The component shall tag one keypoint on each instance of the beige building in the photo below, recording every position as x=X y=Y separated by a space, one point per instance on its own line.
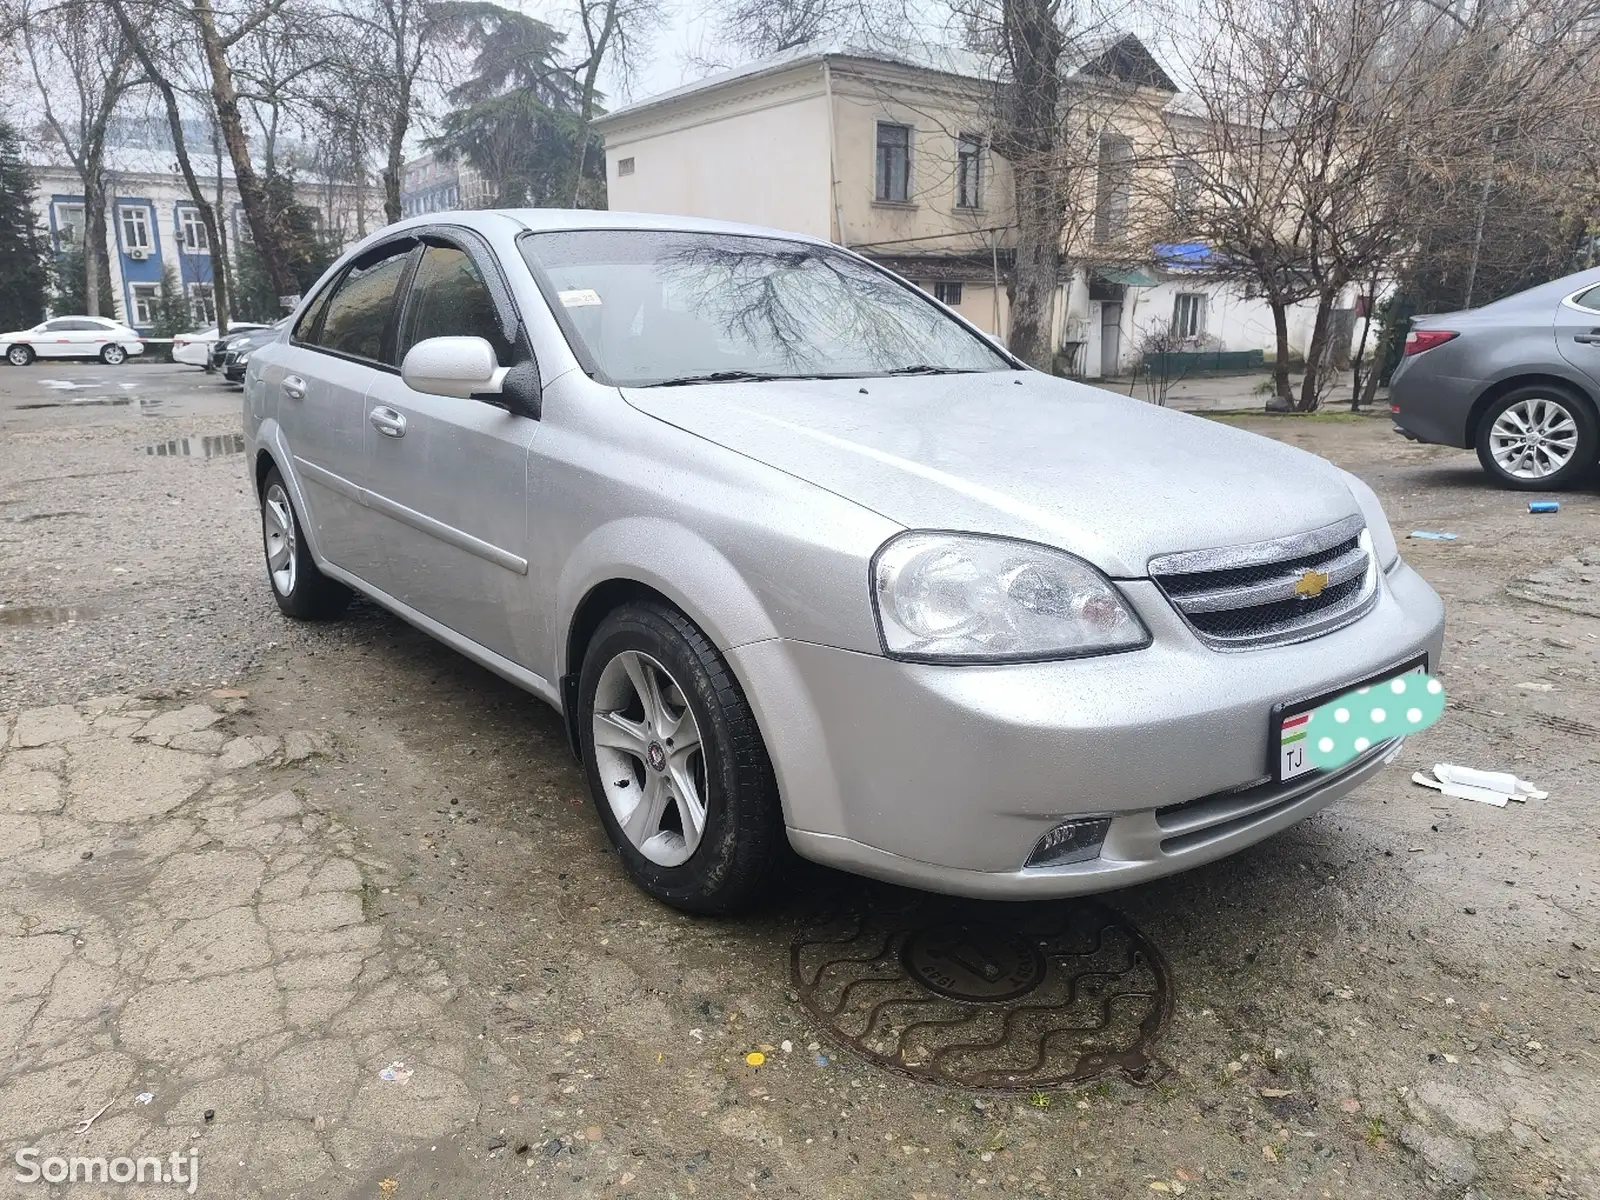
x=890 y=157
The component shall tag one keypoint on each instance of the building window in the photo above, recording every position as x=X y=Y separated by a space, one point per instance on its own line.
x=947 y=293
x=1185 y=190
x=202 y=304
x=135 y=229
x=1189 y=316
x=192 y=232
x=144 y=303
x=1113 y=186
x=625 y=166
x=69 y=224
x=969 y=172
x=894 y=163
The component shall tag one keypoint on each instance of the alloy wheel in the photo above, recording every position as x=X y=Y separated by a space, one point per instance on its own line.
x=18 y=356
x=1533 y=438
x=277 y=532
x=650 y=758
x=114 y=355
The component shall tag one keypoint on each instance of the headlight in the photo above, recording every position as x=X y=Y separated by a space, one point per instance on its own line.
x=1383 y=543
x=952 y=597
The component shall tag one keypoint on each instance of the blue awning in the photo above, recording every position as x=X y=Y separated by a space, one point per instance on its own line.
x=1185 y=256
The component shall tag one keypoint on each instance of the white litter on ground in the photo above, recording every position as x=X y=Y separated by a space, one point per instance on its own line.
x=1486 y=787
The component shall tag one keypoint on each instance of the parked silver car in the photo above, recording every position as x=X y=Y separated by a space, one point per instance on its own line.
x=1517 y=380
x=806 y=561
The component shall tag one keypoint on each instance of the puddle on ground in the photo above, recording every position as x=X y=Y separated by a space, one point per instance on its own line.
x=47 y=614
x=219 y=446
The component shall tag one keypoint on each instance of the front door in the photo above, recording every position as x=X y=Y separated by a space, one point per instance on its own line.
x=449 y=476
x=1110 y=338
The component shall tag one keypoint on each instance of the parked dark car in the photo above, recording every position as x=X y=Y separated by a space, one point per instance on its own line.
x=1517 y=380
x=233 y=355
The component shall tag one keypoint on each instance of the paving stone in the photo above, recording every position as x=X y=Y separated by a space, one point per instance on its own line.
x=19 y=834
x=198 y=884
x=177 y=1021
x=230 y=940
x=243 y=752
x=188 y=719
x=24 y=789
x=204 y=741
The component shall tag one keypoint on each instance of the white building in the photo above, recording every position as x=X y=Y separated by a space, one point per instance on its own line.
x=886 y=155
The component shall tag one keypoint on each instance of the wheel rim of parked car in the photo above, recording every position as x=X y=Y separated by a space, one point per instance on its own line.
x=1534 y=438
x=115 y=354
x=277 y=530
x=650 y=757
x=18 y=356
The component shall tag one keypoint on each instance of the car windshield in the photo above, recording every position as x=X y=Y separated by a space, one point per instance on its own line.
x=646 y=307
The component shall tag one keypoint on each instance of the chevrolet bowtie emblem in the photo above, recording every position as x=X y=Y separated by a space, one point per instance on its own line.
x=1309 y=586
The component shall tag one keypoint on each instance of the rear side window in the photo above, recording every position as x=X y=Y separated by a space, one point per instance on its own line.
x=1589 y=299
x=359 y=309
x=450 y=299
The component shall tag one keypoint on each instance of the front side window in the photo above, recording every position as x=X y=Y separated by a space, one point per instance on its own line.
x=135 y=229
x=894 y=163
x=450 y=299
x=359 y=310
x=969 y=172
x=1189 y=315
x=644 y=307
x=192 y=232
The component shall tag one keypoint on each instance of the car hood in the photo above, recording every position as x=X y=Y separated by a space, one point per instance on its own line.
x=1020 y=454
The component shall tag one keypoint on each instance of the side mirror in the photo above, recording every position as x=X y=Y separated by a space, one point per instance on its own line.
x=462 y=367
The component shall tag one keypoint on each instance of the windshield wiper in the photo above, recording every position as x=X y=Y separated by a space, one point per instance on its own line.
x=925 y=369
x=723 y=377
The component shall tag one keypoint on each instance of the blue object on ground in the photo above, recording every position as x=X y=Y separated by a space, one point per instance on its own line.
x=1429 y=536
x=1538 y=506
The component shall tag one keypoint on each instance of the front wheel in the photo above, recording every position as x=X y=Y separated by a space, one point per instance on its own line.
x=677 y=768
x=301 y=590
x=113 y=355
x=19 y=356
x=1537 y=438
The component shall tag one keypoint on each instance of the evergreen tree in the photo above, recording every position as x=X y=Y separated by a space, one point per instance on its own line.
x=308 y=251
x=24 y=273
x=66 y=294
x=171 y=315
x=516 y=119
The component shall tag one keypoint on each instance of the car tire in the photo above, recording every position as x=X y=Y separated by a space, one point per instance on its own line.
x=301 y=590
x=19 y=356
x=1538 y=428
x=113 y=355
x=741 y=850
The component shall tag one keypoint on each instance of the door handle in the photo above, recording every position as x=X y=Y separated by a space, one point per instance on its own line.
x=387 y=422
x=294 y=387
x=1591 y=338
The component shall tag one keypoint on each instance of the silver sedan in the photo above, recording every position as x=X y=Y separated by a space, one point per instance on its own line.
x=808 y=564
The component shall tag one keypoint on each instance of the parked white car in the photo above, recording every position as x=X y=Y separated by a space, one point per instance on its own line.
x=195 y=348
x=72 y=337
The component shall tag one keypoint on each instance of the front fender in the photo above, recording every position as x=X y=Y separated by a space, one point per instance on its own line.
x=673 y=560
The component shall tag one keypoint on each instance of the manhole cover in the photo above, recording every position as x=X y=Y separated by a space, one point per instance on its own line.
x=986 y=996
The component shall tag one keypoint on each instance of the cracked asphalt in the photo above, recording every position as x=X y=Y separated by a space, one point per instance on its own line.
x=251 y=869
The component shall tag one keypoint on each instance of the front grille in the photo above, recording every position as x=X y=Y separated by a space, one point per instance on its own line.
x=1235 y=597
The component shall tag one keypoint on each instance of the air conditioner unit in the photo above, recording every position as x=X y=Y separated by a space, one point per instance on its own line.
x=138 y=254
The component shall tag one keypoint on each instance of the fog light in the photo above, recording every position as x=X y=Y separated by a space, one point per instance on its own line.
x=1070 y=842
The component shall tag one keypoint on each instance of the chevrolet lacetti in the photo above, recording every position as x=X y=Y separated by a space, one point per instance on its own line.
x=808 y=564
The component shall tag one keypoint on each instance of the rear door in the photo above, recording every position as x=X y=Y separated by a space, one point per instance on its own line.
x=337 y=349
x=1577 y=328
x=449 y=476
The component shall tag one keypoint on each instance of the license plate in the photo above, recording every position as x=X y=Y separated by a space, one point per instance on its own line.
x=1291 y=723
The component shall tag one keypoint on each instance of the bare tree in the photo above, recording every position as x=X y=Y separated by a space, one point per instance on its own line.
x=81 y=75
x=611 y=31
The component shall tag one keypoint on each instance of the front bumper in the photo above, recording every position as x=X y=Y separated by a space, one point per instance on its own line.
x=946 y=777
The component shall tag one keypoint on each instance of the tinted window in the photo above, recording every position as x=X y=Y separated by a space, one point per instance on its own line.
x=359 y=311
x=1589 y=299
x=649 y=307
x=450 y=299
x=61 y=326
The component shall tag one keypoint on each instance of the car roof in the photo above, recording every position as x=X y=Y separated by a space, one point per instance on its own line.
x=548 y=220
